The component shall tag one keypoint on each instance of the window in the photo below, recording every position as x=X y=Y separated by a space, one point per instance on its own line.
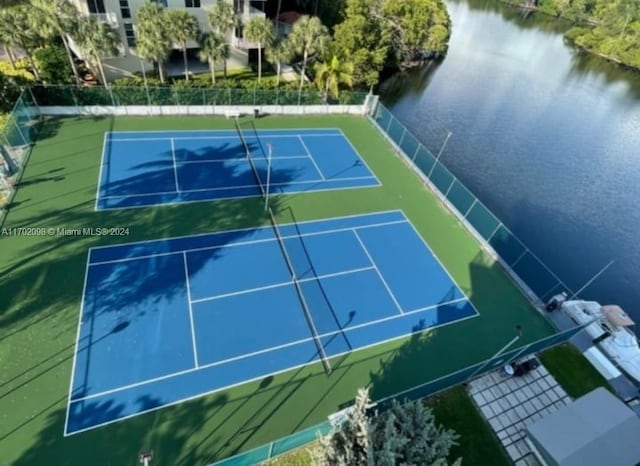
x=161 y=2
x=131 y=36
x=96 y=6
x=192 y=3
x=125 y=11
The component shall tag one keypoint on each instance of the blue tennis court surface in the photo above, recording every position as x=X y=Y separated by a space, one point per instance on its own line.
x=143 y=168
x=168 y=320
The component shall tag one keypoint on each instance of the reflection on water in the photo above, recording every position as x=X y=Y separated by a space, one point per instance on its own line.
x=545 y=135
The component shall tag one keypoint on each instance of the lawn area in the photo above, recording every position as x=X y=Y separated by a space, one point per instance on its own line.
x=573 y=371
x=41 y=283
x=455 y=410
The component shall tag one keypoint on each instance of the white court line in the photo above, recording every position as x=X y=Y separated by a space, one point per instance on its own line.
x=302 y=222
x=265 y=130
x=313 y=161
x=175 y=164
x=384 y=282
x=243 y=159
x=359 y=156
x=206 y=138
x=453 y=281
x=199 y=190
x=260 y=377
x=104 y=146
x=240 y=243
x=75 y=352
x=193 y=327
x=281 y=284
x=267 y=350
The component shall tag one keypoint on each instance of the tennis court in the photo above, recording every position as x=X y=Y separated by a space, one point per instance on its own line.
x=144 y=168
x=168 y=320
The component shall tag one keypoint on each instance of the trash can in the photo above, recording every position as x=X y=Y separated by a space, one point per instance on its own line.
x=256 y=113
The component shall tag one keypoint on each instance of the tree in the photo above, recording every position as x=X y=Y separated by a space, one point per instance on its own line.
x=213 y=48
x=412 y=23
x=15 y=31
x=182 y=27
x=332 y=72
x=363 y=38
x=260 y=31
x=97 y=39
x=309 y=36
x=153 y=41
x=222 y=18
x=52 y=62
x=406 y=434
x=56 y=18
x=281 y=51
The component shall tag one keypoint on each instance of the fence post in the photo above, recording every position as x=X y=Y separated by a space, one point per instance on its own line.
x=415 y=154
x=475 y=201
x=404 y=131
x=494 y=232
x=204 y=97
x=75 y=99
x=390 y=120
x=15 y=122
x=449 y=188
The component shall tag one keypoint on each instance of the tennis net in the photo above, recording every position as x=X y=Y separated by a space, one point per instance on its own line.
x=305 y=307
x=255 y=171
x=292 y=271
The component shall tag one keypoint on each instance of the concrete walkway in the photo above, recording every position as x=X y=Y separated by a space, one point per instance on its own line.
x=510 y=404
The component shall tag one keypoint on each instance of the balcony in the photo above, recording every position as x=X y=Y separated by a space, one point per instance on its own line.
x=110 y=18
x=241 y=43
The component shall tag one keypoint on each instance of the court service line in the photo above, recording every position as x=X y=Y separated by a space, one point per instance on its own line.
x=384 y=282
x=281 y=284
x=193 y=327
x=175 y=164
x=313 y=160
x=231 y=245
x=359 y=156
x=265 y=350
x=243 y=159
x=264 y=130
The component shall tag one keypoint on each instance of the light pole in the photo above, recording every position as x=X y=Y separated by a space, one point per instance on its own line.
x=449 y=133
x=518 y=330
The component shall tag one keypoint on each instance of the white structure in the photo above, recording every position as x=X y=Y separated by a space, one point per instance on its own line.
x=122 y=15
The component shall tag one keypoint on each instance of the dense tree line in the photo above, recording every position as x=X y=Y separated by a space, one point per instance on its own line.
x=610 y=28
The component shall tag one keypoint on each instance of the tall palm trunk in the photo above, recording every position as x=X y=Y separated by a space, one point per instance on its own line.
x=212 y=67
x=225 y=68
x=74 y=68
x=326 y=91
x=259 y=61
x=161 y=72
x=32 y=64
x=304 y=68
x=278 y=71
x=8 y=53
x=184 y=58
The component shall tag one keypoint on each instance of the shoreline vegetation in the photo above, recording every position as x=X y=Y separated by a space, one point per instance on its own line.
x=609 y=29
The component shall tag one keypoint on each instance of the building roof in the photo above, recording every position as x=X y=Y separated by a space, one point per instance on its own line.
x=289 y=17
x=597 y=429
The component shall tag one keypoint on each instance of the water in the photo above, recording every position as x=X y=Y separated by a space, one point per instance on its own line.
x=547 y=137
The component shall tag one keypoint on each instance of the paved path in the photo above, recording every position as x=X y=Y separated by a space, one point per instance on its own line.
x=511 y=403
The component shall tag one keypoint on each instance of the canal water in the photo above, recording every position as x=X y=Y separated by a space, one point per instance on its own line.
x=547 y=137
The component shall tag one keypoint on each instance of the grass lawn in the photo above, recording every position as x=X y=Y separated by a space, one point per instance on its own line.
x=573 y=371
x=478 y=445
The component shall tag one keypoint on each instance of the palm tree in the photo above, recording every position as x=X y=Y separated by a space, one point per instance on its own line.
x=222 y=18
x=97 y=39
x=213 y=47
x=260 y=31
x=333 y=72
x=183 y=26
x=278 y=16
x=281 y=51
x=53 y=18
x=153 y=42
x=309 y=36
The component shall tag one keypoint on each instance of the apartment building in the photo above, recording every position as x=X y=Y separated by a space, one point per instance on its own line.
x=122 y=15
